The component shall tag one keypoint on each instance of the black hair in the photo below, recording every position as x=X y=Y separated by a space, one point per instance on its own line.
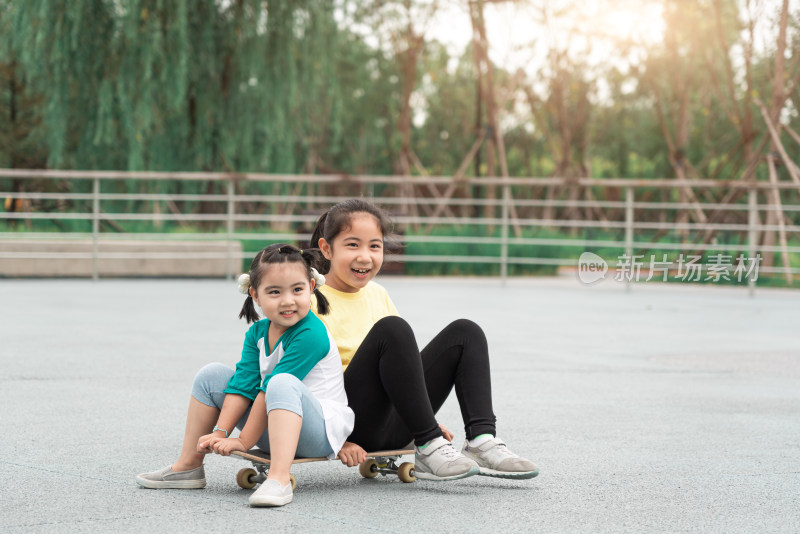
x=337 y=219
x=282 y=253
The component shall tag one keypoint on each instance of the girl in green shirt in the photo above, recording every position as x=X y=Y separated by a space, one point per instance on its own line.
x=287 y=392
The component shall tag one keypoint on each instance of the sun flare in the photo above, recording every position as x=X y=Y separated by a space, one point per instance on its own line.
x=643 y=24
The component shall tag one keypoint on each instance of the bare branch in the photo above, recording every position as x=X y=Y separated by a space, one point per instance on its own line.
x=726 y=62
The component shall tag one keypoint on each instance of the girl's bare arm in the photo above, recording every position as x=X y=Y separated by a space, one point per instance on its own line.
x=233 y=408
x=252 y=431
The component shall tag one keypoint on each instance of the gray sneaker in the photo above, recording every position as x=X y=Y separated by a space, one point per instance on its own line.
x=270 y=493
x=439 y=460
x=168 y=479
x=495 y=460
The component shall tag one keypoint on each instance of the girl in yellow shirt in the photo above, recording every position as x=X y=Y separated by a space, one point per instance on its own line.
x=394 y=388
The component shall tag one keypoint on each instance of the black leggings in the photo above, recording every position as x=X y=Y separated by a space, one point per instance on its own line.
x=395 y=390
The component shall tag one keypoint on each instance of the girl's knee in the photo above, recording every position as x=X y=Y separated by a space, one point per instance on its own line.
x=213 y=373
x=466 y=329
x=285 y=392
x=281 y=386
x=394 y=326
x=210 y=381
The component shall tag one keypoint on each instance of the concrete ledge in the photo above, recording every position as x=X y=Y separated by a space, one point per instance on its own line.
x=117 y=258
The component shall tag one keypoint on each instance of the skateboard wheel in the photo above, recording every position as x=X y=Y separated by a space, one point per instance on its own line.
x=245 y=478
x=368 y=469
x=406 y=472
x=293 y=480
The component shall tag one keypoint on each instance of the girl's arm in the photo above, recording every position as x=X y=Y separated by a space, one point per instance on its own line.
x=256 y=423
x=253 y=429
x=247 y=378
x=233 y=408
x=241 y=390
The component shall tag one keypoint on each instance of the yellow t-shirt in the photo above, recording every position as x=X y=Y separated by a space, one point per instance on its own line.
x=352 y=315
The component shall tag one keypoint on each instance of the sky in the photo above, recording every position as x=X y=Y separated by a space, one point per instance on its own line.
x=518 y=40
x=522 y=32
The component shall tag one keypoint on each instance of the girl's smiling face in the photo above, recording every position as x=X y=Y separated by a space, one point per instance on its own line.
x=284 y=295
x=356 y=254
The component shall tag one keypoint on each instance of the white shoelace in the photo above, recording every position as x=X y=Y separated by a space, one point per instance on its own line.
x=501 y=450
x=449 y=451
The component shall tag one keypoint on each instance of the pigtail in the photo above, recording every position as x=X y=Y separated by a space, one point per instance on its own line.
x=314 y=260
x=245 y=282
x=323 y=306
x=322 y=265
x=249 y=311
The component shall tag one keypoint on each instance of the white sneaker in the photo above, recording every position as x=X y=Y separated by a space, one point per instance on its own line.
x=495 y=460
x=270 y=493
x=439 y=460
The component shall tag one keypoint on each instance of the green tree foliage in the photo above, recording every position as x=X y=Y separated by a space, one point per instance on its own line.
x=290 y=86
x=20 y=110
x=179 y=85
x=367 y=85
x=449 y=128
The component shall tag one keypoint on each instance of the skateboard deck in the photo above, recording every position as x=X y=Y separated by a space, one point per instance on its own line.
x=377 y=463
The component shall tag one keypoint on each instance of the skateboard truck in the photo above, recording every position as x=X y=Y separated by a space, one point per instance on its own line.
x=386 y=465
x=383 y=463
x=248 y=478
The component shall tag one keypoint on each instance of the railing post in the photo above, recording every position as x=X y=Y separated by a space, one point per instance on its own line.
x=504 y=233
x=629 y=233
x=95 y=228
x=752 y=233
x=231 y=210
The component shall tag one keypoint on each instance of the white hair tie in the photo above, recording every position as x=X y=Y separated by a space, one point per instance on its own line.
x=244 y=284
x=319 y=280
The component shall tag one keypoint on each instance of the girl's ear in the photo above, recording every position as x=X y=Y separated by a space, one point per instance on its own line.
x=313 y=284
x=254 y=294
x=325 y=248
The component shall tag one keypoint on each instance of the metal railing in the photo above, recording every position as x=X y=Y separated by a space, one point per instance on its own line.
x=525 y=214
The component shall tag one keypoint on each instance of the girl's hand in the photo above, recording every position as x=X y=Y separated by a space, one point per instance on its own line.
x=446 y=433
x=351 y=454
x=202 y=443
x=225 y=446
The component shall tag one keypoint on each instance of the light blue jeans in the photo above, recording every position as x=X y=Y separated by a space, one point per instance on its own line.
x=284 y=392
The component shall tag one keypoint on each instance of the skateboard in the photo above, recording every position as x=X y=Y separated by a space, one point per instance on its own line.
x=381 y=462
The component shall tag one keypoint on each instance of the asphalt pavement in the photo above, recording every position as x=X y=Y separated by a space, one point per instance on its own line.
x=666 y=408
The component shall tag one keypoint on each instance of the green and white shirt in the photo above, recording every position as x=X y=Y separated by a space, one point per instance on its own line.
x=307 y=351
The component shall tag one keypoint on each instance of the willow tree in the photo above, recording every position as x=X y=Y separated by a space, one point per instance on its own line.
x=19 y=113
x=201 y=85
